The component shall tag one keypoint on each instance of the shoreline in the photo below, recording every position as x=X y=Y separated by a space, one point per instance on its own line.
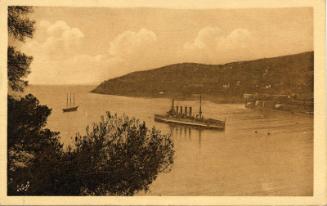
x=208 y=97
x=213 y=99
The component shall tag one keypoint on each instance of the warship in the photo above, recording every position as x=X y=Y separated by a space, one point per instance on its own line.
x=178 y=115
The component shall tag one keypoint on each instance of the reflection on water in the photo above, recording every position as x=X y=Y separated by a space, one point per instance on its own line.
x=242 y=160
x=188 y=132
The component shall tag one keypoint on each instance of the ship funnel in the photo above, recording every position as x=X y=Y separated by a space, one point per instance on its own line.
x=185 y=111
x=181 y=109
x=172 y=105
x=190 y=111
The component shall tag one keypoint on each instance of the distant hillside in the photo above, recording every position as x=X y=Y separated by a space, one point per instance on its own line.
x=292 y=74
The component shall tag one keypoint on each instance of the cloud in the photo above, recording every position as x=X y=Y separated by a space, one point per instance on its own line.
x=129 y=43
x=131 y=50
x=58 y=58
x=237 y=39
x=56 y=40
x=206 y=37
x=61 y=29
x=213 y=45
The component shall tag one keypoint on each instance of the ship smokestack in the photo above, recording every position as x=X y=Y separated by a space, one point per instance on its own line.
x=185 y=111
x=181 y=109
x=172 y=105
x=176 y=110
x=190 y=111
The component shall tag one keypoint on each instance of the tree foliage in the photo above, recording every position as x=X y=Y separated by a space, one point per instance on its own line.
x=19 y=24
x=20 y=27
x=18 y=68
x=33 y=150
x=119 y=156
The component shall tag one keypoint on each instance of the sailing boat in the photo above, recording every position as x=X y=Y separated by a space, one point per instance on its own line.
x=70 y=107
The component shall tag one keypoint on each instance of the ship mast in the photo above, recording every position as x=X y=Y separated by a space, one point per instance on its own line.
x=73 y=99
x=67 y=100
x=200 y=110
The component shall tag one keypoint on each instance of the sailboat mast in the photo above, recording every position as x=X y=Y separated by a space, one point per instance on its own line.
x=70 y=99
x=67 y=100
x=73 y=99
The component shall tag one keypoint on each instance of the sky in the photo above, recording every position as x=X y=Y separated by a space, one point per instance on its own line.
x=76 y=45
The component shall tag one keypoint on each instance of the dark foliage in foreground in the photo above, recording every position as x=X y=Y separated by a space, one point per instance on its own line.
x=33 y=150
x=118 y=156
x=18 y=67
x=19 y=25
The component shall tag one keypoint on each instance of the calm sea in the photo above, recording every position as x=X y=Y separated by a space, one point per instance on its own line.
x=259 y=153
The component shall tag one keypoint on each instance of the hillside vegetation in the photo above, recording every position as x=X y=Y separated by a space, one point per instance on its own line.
x=292 y=75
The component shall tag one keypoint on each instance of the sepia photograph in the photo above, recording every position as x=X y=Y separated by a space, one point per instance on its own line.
x=160 y=101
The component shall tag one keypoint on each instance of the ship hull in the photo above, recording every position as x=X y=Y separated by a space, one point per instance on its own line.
x=70 y=109
x=218 y=125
